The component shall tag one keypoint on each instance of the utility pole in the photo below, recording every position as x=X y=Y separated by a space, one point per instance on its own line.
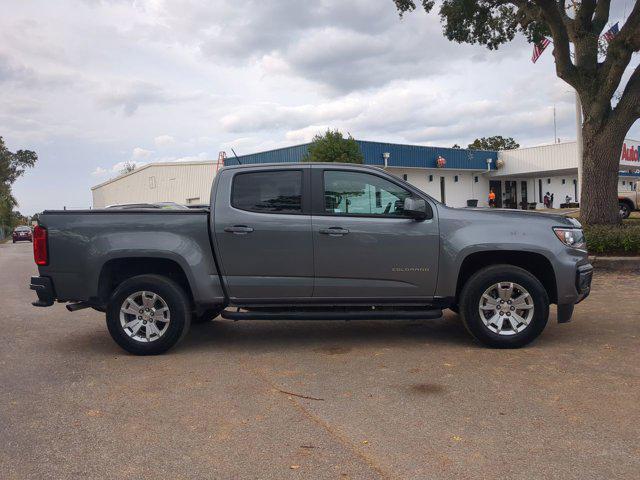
x=579 y=143
x=555 y=125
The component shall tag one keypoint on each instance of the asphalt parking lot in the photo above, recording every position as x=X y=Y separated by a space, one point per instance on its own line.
x=392 y=399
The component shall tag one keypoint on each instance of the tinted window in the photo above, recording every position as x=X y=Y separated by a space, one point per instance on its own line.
x=274 y=191
x=354 y=193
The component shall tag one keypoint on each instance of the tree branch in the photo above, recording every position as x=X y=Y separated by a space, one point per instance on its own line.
x=619 y=54
x=565 y=68
x=601 y=16
x=628 y=109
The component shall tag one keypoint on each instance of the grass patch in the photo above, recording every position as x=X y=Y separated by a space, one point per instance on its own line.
x=608 y=240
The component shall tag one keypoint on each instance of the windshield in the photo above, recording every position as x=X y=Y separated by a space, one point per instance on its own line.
x=23 y=229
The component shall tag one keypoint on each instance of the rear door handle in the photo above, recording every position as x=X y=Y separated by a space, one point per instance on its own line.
x=239 y=229
x=334 y=231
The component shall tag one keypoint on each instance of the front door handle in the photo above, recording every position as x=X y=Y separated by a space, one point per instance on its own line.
x=239 y=229
x=334 y=231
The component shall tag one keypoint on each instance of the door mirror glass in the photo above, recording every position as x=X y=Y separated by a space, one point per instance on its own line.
x=415 y=208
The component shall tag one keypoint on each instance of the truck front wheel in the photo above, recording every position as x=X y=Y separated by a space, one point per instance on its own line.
x=504 y=306
x=148 y=314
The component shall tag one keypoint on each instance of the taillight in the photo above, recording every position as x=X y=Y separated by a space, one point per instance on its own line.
x=40 y=253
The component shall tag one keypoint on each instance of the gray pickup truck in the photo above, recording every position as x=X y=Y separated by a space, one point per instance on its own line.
x=311 y=241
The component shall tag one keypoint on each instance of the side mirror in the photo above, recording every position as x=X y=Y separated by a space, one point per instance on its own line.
x=415 y=208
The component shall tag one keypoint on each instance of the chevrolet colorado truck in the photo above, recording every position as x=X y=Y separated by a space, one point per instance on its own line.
x=629 y=201
x=311 y=241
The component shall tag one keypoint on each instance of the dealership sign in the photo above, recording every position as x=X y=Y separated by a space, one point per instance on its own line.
x=629 y=156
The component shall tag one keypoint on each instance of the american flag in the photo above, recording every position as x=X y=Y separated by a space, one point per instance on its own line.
x=538 y=48
x=611 y=33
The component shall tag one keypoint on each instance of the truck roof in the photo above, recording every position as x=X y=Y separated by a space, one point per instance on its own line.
x=302 y=164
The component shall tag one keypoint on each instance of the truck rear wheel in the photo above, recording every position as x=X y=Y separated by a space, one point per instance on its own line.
x=148 y=314
x=504 y=306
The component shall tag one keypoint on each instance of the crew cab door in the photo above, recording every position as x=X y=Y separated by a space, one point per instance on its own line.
x=262 y=227
x=365 y=246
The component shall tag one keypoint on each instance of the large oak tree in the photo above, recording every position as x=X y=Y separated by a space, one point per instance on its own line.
x=596 y=73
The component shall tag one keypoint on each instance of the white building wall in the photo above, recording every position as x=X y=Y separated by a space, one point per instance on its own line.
x=456 y=193
x=626 y=184
x=560 y=156
x=180 y=182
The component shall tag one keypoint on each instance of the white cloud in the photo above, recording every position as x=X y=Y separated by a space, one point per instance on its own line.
x=100 y=172
x=140 y=153
x=164 y=141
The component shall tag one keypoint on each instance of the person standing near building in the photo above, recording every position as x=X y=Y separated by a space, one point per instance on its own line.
x=545 y=200
x=492 y=198
x=551 y=201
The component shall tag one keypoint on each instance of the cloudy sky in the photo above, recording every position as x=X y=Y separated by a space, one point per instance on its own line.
x=92 y=84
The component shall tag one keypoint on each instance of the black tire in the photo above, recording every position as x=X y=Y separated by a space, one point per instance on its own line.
x=475 y=287
x=625 y=210
x=207 y=315
x=176 y=300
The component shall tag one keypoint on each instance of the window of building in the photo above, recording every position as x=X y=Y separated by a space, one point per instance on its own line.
x=624 y=183
x=268 y=192
x=354 y=193
x=475 y=179
x=455 y=179
x=405 y=177
x=564 y=181
x=548 y=181
x=431 y=178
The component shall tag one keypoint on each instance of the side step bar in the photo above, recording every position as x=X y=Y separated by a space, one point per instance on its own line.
x=334 y=315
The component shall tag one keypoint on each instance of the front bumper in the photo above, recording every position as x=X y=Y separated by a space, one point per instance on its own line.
x=584 y=275
x=43 y=287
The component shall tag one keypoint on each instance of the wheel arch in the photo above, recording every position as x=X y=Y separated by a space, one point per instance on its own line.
x=535 y=263
x=116 y=270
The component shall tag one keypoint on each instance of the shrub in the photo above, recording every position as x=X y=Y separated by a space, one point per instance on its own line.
x=624 y=239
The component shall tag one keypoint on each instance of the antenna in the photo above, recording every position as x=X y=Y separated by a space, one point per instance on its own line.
x=236 y=155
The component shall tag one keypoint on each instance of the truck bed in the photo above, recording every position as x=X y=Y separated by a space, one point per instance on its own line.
x=83 y=243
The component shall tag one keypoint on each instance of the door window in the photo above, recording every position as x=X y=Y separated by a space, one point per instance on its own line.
x=268 y=192
x=355 y=193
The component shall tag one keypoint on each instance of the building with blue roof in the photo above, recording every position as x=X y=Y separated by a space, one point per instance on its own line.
x=455 y=176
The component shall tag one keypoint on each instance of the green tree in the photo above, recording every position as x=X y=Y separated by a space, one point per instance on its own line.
x=128 y=167
x=497 y=142
x=609 y=110
x=333 y=147
x=12 y=167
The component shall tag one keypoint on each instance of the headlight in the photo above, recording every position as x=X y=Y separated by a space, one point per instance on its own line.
x=571 y=237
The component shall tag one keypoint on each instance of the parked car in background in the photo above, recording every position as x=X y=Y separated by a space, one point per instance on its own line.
x=629 y=201
x=311 y=242
x=22 y=234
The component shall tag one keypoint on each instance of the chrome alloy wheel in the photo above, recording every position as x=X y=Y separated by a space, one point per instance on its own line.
x=144 y=316
x=506 y=308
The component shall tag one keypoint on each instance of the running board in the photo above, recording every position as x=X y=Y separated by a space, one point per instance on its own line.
x=334 y=315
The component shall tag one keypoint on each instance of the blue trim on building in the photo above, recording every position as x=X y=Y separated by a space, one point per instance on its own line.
x=412 y=156
x=629 y=174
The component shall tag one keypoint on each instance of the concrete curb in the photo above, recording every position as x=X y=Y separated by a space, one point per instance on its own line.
x=614 y=263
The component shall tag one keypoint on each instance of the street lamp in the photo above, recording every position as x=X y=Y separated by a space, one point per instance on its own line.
x=386 y=156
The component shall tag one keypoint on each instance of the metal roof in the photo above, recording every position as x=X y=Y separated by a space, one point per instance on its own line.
x=400 y=155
